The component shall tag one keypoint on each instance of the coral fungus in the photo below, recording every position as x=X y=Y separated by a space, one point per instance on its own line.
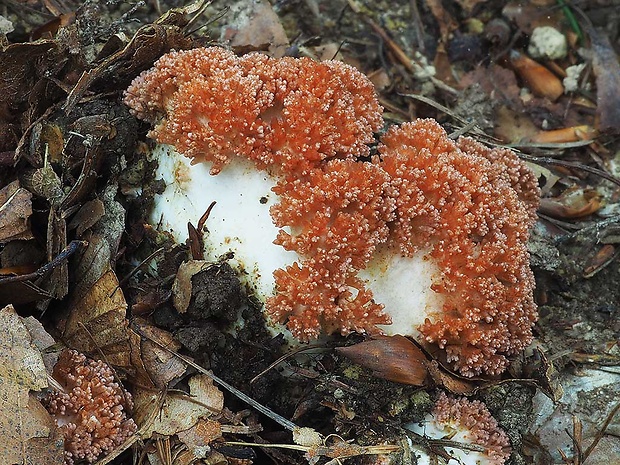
x=430 y=233
x=91 y=412
x=462 y=211
x=290 y=113
x=468 y=422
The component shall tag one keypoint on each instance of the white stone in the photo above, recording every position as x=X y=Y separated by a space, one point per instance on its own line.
x=547 y=42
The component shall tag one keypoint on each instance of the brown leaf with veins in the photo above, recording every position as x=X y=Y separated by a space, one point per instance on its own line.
x=179 y=411
x=155 y=366
x=28 y=432
x=97 y=321
x=15 y=211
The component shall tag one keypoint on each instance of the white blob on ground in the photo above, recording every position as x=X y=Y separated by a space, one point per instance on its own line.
x=547 y=43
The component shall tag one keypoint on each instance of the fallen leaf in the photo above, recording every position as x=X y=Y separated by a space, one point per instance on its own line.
x=179 y=411
x=154 y=364
x=182 y=287
x=512 y=126
x=15 y=211
x=97 y=322
x=254 y=23
x=57 y=282
x=28 y=432
x=87 y=216
x=536 y=77
x=572 y=203
x=394 y=358
x=450 y=381
x=570 y=134
x=203 y=433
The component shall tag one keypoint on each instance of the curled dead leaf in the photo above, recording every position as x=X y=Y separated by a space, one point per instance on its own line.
x=182 y=287
x=571 y=134
x=573 y=203
x=600 y=260
x=154 y=365
x=178 y=411
x=97 y=322
x=394 y=358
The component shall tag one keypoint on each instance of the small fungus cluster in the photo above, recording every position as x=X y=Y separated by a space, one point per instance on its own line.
x=467 y=422
x=428 y=233
x=92 y=410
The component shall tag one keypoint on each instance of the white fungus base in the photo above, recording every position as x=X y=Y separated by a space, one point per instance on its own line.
x=239 y=224
x=403 y=285
x=241 y=229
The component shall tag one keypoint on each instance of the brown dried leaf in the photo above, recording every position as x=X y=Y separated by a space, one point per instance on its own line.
x=87 y=216
x=394 y=358
x=603 y=257
x=255 y=24
x=28 y=432
x=450 y=381
x=15 y=211
x=95 y=261
x=97 y=322
x=154 y=365
x=182 y=287
x=572 y=203
x=57 y=282
x=179 y=412
x=45 y=183
x=513 y=126
x=571 y=134
x=201 y=434
x=536 y=77
x=88 y=176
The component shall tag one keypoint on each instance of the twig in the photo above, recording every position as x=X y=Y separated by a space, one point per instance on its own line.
x=570 y=164
x=282 y=359
x=73 y=247
x=140 y=265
